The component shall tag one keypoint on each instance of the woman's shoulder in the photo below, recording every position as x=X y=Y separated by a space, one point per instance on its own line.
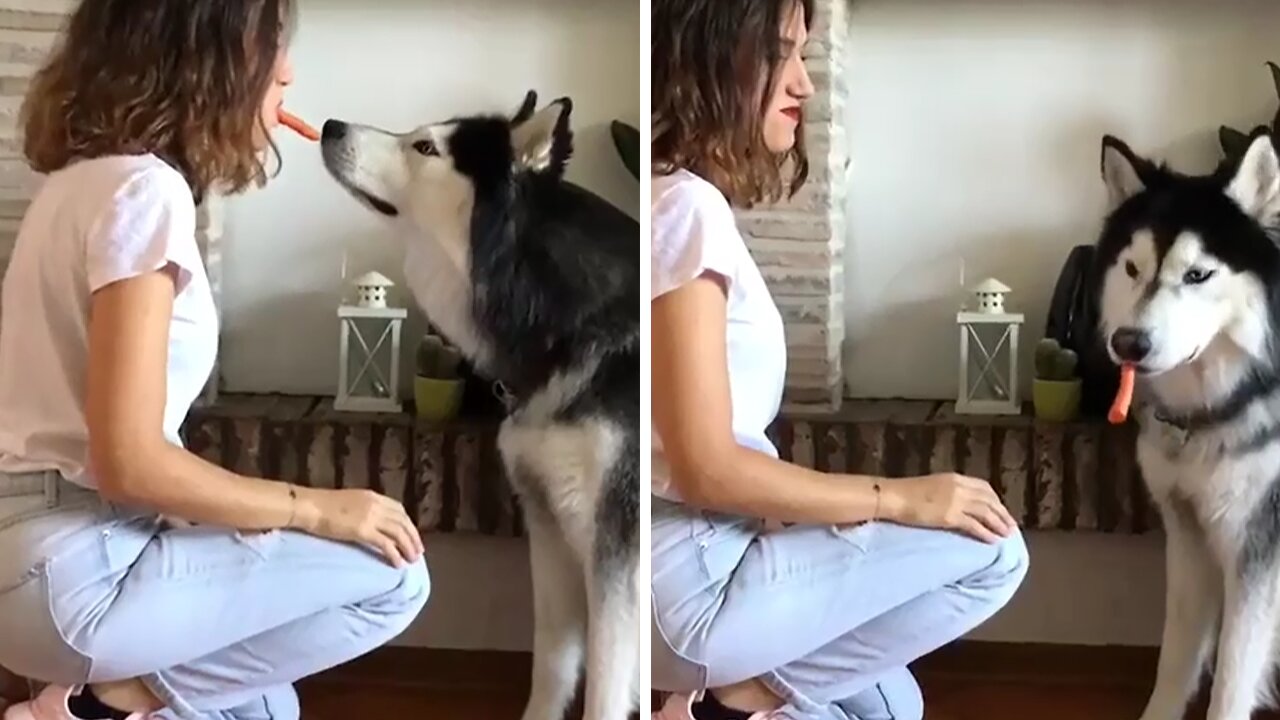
x=126 y=175
x=692 y=230
x=681 y=192
x=687 y=208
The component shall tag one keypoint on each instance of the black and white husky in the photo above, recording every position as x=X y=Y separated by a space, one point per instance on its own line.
x=537 y=281
x=1190 y=294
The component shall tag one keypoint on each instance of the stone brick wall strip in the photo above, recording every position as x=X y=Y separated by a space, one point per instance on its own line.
x=25 y=49
x=1067 y=486
x=489 y=511
x=1084 y=478
x=978 y=452
x=29 y=30
x=1014 y=468
x=872 y=436
x=451 y=478
x=203 y=437
x=800 y=242
x=1046 y=476
x=25 y=19
x=1076 y=477
x=449 y=489
x=395 y=467
x=428 y=453
x=320 y=468
x=467 y=457
x=802 y=443
x=352 y=455
x=835 y=442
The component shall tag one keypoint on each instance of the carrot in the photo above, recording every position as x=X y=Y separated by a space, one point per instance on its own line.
x=295 y=123
x=1124 y=395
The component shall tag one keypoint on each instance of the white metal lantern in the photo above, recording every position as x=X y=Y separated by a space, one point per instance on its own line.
x=374 y=385
x=989 y=374
x=371 y=290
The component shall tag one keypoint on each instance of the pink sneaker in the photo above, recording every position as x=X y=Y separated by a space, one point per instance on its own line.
x=50 y=704
x=680 y=707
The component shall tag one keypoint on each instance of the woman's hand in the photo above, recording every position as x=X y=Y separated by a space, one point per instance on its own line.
x=360 y=516
x=948 y=501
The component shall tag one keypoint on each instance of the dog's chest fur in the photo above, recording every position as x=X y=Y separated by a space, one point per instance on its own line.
x=439 y=284
x=558 y=465
x=1206 y=468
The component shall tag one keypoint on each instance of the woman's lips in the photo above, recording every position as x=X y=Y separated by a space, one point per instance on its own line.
x=792 y=112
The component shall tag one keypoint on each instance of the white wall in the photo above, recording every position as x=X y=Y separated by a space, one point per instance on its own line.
x=398 y=64
x=1086 y=589
x=975 y=130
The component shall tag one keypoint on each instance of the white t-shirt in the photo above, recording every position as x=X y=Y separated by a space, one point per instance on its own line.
x=693 y=231
x=91 y=224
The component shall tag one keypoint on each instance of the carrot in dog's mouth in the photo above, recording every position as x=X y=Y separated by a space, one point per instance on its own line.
x=1124 y=395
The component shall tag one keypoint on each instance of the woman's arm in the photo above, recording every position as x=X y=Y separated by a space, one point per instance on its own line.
x=134 y=463
x=692 y=413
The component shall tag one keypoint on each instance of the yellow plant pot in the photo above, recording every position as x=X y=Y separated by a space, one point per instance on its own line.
x=437 y=400
x=1056 y=400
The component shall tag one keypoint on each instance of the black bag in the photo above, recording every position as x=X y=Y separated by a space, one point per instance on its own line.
x=1073 y=322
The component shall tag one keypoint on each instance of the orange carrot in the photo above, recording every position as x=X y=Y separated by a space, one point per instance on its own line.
x=1124 y=395
x=295 y=123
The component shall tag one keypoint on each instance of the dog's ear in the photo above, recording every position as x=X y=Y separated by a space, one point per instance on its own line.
x=1123 y=171
x=1256 y=184
x=526 y=108
x=543 y=140
x=1234 y=143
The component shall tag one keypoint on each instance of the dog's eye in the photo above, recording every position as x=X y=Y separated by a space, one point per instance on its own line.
x=426 y=147
x=1130 y=269
x=1195 y=276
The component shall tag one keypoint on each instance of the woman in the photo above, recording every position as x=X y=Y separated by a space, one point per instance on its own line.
x=820 y=619
x=109 y=334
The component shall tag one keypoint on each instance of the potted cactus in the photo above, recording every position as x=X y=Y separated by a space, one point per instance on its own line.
x=1055 y=391
x=437 y=384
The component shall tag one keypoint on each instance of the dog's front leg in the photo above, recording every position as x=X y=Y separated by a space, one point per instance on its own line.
x=1249 y=617
x=613 y=639
x=559 y=618
x=1193 y=601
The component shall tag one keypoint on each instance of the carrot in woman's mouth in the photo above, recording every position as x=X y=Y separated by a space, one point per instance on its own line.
x=295 y=123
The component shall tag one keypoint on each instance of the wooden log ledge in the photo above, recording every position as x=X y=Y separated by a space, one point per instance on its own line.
x=1080 y=476
x=449 y=476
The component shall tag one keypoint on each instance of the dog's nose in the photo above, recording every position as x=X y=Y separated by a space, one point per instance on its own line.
x=333 y=130
x=1131 y=344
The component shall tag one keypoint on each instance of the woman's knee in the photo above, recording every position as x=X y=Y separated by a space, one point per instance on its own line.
x=414 y=588
x=404 y=600
x=1005 y=573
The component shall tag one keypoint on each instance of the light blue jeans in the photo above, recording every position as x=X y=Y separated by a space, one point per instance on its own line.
x=827 y=618
x=217 y=623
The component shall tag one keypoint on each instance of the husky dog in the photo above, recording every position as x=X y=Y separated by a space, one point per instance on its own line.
x=1190 y=296
x=537 y=281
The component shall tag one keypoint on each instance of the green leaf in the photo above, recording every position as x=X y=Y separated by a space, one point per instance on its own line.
x=626 y=139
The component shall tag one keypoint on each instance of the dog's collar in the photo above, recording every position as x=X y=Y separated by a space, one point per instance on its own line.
x=503 y=392
x=1257 y=383
x=1163 y=416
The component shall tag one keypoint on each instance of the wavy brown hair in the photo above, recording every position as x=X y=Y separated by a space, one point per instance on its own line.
x=715 y=65
x=182 y=79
